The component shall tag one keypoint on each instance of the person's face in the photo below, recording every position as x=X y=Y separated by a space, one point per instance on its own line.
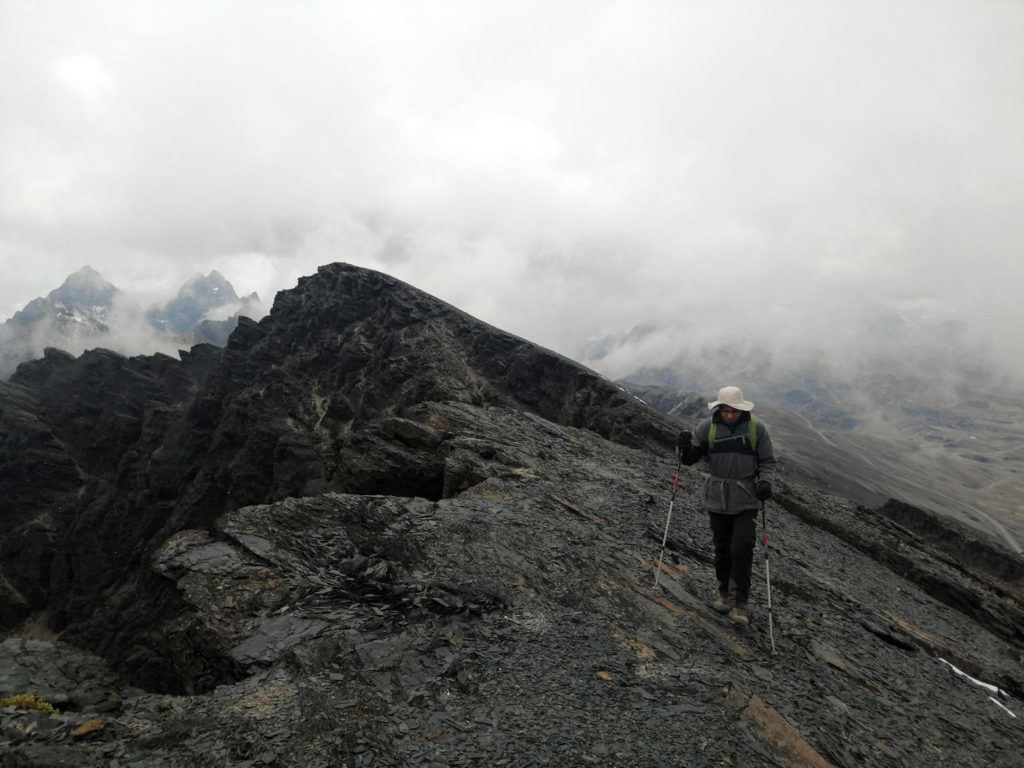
x=729 y=415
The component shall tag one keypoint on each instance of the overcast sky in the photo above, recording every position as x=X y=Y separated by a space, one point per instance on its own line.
x=564 y=170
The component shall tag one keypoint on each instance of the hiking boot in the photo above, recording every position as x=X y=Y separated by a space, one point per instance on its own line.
x=738 y=615
x=722 y=604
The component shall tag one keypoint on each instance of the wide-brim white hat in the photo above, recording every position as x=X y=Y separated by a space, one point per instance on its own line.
x=733 y=397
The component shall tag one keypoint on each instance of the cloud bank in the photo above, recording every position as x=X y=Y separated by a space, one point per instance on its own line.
x=779 y=171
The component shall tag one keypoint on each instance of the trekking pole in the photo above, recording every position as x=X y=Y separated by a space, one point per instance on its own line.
x=767 y=573
x=664 y=539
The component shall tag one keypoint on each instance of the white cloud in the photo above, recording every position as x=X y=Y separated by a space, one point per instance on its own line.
x=86 y=77
x=562 y=170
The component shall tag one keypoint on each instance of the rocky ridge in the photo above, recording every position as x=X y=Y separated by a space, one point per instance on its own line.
x=373 y=530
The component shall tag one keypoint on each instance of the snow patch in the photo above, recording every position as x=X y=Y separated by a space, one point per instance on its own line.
x=987 y=686
x=999 y=704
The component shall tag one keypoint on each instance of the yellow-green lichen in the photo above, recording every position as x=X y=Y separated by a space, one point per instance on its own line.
x=27 y=701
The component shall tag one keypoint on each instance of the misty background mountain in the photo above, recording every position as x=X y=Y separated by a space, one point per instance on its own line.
x=86 y=312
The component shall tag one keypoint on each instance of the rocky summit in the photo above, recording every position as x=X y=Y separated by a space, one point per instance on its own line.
x=375 y=531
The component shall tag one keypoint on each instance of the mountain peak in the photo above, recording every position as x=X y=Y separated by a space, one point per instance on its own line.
x=87 y=311
x=80 y=306
x=194 y=301
x=85 y=273
x=86 y=287
x=213 y=280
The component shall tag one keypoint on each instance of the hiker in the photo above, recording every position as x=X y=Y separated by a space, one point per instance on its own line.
x=739 y=453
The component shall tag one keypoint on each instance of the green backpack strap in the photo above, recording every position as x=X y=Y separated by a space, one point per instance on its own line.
x=751 y=433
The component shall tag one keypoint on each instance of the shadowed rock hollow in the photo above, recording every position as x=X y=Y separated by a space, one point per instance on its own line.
x=376 y=531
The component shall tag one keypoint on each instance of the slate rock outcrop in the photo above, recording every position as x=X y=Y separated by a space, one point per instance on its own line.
x=111 y=455
x=374 y=531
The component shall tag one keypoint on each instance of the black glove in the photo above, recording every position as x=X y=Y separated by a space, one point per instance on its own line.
x=684 y=444
x=763 y=490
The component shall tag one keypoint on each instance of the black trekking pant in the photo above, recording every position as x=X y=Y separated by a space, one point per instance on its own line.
x=734 y=551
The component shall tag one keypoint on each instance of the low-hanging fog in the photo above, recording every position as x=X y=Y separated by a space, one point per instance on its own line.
x=618 y=181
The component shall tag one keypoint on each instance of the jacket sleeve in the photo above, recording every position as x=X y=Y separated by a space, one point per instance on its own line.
x=766 y=468
x=698 y=445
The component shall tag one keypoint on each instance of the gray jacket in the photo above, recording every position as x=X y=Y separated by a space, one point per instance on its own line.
x=733 y=464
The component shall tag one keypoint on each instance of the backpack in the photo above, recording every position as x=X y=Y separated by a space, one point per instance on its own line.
x=751 y=434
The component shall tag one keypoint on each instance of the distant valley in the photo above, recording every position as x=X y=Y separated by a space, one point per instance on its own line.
x=963 y=457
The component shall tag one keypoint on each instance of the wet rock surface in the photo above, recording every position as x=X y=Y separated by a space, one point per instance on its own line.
x=269 y=598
